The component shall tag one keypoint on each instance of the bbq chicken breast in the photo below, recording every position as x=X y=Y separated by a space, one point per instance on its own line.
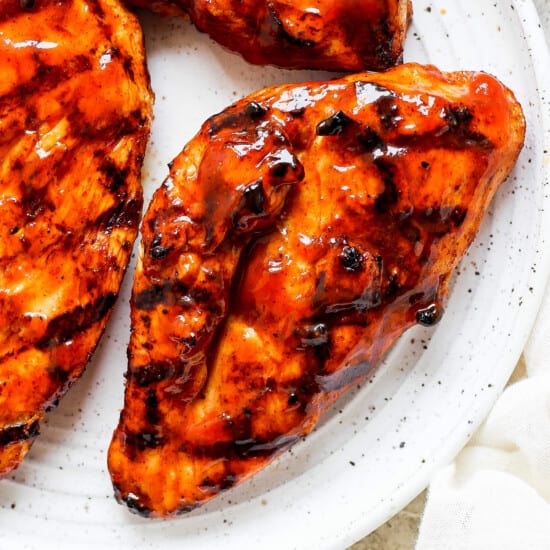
x=296 y=237
x=342 y=35
x=75 y=107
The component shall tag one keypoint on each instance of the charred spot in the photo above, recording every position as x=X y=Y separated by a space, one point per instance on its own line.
x=393 y=285
x=209 y=486
x=156 y=250
x=185 y=509
x=144 y=440
x=303 y=390
x=58 y=375
x=285 y=167
x=293 y=399
x=390 y=195
x=242 y=447
x=35 y=201
x=123 y=214
x=458 y=215
x=225 y=121
x=201 y=295
x=189 y=341
x=151 y=297
x=334 y=125
x=351 y=259
x=52 y=405
x=128 y=68
x=14 y=230
x=384 y=45
x=152 y=413
x=159 y=252
x=154 y=295
x=115 y=176
x=280 y=170
x=425 y=164
x=388 y=111
x=228 y=481
x=370 y=139
x=64 y=327
x=458 y=116
x=254 y=110
x=254 y=197
x=429 y=316
x=18 y=433
x=133 y=502
x=251 y=206
x=208 y=482
x=151 y=374
x=27 y=4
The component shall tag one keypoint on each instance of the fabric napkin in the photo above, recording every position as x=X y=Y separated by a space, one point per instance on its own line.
x=496 y=495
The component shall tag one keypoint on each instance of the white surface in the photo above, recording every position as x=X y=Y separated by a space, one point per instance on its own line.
x=425 y=400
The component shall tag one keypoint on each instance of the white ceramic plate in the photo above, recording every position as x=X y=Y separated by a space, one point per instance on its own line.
x=378 y=447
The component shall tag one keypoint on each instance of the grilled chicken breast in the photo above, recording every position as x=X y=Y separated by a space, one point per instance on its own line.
x=75 y=107
x=323 y=34
x=297 y=236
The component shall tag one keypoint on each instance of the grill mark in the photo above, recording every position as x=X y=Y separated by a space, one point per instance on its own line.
x=45 y=79
x=151 y=374
x=34 y=200
x=152 y=412
x=115 y=129
x=241 y=449
x=62 y=328
x=19 y=433
x=115 y=176
x=154 y=295
x=174 y=293
x=124 y=214
x=454 y=138
x=141 y=441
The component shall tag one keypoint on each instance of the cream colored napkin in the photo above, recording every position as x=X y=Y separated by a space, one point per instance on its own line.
x=496 y=495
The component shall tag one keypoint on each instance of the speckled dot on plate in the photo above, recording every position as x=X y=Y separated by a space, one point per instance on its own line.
x=377 y=447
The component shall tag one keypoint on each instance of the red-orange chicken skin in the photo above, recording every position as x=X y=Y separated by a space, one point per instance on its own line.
x=340 y=35
x=75 y=109
x=296 y=237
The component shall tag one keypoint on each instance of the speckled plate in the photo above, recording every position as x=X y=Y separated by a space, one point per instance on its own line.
x=376 y=449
